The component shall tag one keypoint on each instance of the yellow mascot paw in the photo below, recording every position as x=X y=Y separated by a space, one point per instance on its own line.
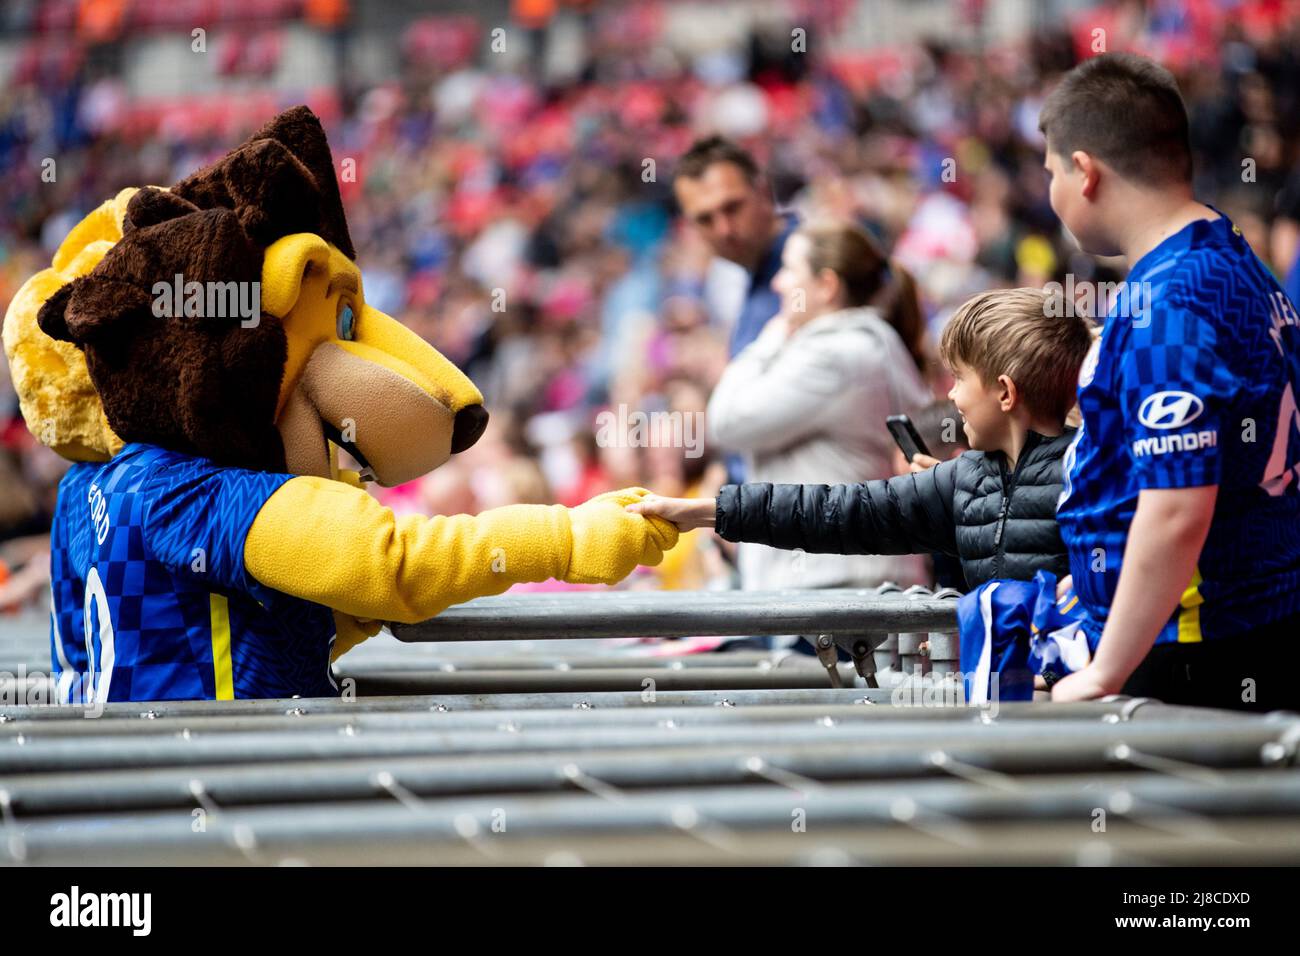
x=608 y=542
x=349 y=632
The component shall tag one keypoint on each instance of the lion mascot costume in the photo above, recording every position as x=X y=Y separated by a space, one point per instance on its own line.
x=206 y=544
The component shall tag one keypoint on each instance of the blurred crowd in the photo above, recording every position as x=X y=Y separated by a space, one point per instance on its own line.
x=525 y=225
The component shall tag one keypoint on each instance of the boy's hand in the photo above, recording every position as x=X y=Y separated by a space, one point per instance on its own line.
x=921 y=462
x=1064 y=585
x=686 y=513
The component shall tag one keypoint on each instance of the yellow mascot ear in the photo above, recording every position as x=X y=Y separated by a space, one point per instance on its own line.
x=57 y=398
x=283 y=266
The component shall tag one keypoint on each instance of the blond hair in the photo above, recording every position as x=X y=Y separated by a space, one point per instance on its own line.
x=1029 y=335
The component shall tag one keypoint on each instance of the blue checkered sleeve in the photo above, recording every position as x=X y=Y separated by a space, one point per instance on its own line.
x=199 y=516
x=1174 y=391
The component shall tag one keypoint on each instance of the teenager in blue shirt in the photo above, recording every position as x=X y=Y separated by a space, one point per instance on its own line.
x=1181 y=509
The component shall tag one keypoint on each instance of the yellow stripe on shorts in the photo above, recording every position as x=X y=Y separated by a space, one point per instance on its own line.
x=1189 y=611
x=222 y=668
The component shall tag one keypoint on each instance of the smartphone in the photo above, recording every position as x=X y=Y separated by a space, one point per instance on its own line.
x=907 y=437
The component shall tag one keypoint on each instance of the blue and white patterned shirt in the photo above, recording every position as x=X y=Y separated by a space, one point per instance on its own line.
x=1194 y=383
x=150 y=597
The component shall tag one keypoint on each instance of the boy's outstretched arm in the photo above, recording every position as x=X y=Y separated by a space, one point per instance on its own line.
x=1164 y=543
x=328 y=542
x=908 y=514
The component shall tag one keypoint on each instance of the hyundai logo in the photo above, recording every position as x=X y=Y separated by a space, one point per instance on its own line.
x=1170 y=409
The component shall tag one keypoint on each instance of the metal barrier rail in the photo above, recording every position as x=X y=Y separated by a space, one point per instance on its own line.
x=31 y=719
x=588 y=614
x=679 y=777
x=884 y=629
x=320 y=779
x=752 y=772
x=878 y=628
x=35 y=754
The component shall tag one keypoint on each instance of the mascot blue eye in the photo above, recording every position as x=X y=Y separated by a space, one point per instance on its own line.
x=347 y=324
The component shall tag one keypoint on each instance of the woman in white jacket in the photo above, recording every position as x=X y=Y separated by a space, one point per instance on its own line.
x=807 y=401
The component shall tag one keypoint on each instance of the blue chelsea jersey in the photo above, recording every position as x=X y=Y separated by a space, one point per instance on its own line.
x=151 y=600
x=1194 y=383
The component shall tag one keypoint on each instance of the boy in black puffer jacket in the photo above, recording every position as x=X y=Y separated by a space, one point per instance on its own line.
x=1015 y=356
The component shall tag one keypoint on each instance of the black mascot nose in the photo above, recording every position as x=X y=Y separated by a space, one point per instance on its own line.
x=470 y=422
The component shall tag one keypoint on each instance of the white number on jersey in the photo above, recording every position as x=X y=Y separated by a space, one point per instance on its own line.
x=98 y=677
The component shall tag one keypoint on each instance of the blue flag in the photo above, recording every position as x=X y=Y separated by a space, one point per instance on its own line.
x=1012 y=630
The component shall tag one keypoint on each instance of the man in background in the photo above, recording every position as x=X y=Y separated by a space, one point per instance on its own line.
x=728 y=200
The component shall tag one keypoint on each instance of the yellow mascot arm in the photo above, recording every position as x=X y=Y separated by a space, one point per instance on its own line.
x=328 y=542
